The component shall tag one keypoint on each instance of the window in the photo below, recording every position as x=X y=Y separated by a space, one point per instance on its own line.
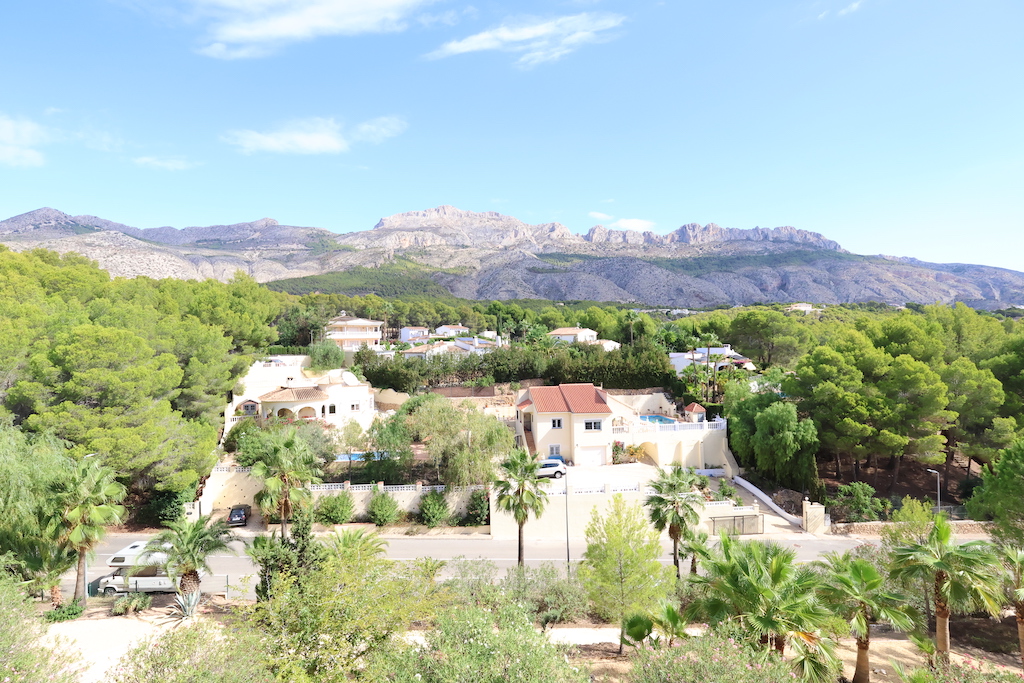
x=556 y=423
x=354 y=407
x=554 y=449
x=331 y=409
x=592 y=425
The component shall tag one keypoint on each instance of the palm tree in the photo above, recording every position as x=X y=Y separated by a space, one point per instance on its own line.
x=695 y=544
x=854 y=590
x=1013 y=561
x=760 y=587
x=963 y=576
x=631 y=318
x=87 y=501
x=674 y=505
x=357 y=544
x=187 y=546
x=45 y=561
x=286 y=467
x=519 y=492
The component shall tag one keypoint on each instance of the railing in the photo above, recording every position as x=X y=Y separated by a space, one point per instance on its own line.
x=589 y=491
x=327 y=487
x=228 y=469
x=655 y=428
x=625 y=489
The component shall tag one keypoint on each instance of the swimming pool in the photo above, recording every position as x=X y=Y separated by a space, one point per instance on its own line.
x=658 y=419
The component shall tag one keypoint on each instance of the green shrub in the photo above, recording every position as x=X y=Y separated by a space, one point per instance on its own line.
x=166 y=506
x=131 y=603
x=336 y=509
x=434 y=509
x=472 y=644
x=478 y=510
x=856 y=502
x=201 y=651
x=711 y=657
x=24 y=655
x=244 y=426
x=545 y=594
x=727 y=491
x=383 y=508
x=66 y=612
x=326 y=355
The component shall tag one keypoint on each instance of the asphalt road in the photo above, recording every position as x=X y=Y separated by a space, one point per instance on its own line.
x=231 y=570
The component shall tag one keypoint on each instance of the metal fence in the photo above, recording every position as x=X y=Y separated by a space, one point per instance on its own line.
x=952 y=511
x=742 y=524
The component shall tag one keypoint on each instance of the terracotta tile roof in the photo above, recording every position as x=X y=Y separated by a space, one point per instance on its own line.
x=525 y=404
x=694 y=408
x=285 y=394
x=570 y=398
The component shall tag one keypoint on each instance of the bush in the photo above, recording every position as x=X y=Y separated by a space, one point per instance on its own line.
x=383 y=508
x=326 y=356
x=66 y=612
x=471 y=644
x=546 y=595
x=856 y=502
x=711 y=657
x=26 y=658
x=244 y=426
x=131 y=603
x=199 y=652
x=336 y=509
x=166 y=506
x=478 y=510
x=434 y=509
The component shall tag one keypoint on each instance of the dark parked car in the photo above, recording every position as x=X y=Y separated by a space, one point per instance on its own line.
x=239 y=515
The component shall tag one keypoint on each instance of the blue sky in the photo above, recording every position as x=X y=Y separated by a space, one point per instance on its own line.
x=890 y=126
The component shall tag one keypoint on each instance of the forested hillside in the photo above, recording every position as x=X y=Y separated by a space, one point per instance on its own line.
x=133 y=371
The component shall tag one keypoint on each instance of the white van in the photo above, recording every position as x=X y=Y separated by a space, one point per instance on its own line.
x=129 y=576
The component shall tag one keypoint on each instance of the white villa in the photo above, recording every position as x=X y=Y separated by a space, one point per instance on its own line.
x=283 y=386
x=573 y=334
x=581 y=422
x=717 y=357
x=461 y=345
x=351 y=333
x=407 y=334
x=452 y=330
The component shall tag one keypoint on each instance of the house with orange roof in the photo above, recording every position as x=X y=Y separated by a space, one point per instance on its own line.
x=581 y=423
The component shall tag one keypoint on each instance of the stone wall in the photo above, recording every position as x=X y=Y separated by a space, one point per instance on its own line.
x=966 y=526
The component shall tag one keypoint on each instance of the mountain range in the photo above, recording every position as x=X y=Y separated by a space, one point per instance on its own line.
x=493 y=256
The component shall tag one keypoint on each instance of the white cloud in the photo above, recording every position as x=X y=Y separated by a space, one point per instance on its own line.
x=637 y=224
x=165 y=164
x=538 y=41
x=600 y=216
x=305 y=136
x=314 y=136
x=822 y=15
x=380 y=129
x=18 y=140
x=254 y=28
x=851 y=8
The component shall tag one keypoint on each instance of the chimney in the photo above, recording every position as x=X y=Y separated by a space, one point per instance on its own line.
x=288 y=381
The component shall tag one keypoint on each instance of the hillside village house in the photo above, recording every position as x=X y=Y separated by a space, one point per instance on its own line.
x=283 y=386
x=581 y=422
x=351 y=333
x=573 y=334
x=408 y=334
x=582 y=335
x=452 y=330
x=717 y=357
x=462 y=346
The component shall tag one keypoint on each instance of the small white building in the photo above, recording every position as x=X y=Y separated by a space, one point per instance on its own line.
x=717 y=357
x=408 y=334
x=452 y=330
x=574 y=334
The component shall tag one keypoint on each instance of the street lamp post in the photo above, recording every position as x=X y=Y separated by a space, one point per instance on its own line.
x=568 y=561
x=938 y=491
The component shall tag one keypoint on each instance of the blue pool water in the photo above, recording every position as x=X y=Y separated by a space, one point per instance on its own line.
x=348 y=457
x=658 y=419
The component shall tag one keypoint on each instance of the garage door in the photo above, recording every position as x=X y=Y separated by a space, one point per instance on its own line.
x=591 y=456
